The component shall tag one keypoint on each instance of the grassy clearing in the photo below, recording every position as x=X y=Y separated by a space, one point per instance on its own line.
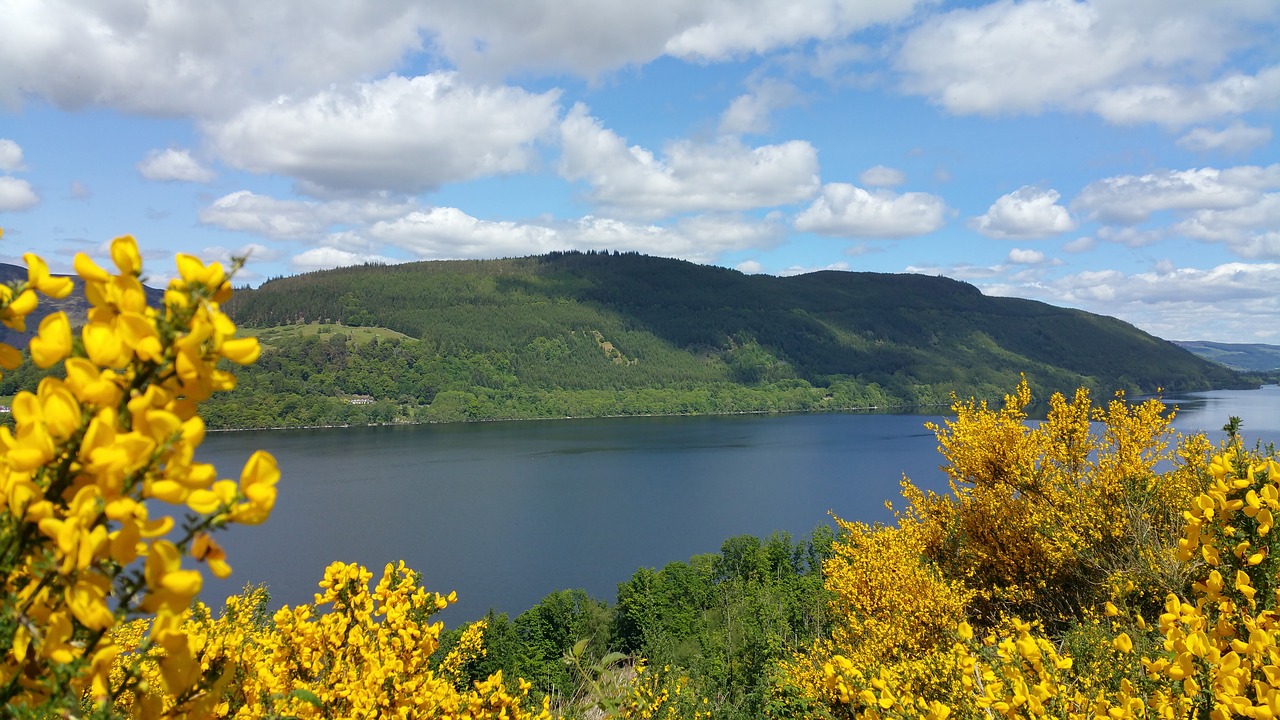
x=360 y=335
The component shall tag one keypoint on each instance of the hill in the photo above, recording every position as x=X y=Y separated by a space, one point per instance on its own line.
x=74 y=305
x=600 y=334
x=1256 y=357
x=592 y=334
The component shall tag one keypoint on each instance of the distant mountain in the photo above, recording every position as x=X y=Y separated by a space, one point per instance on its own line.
x=74 y=305
x=660 y=320
x=1256 y=357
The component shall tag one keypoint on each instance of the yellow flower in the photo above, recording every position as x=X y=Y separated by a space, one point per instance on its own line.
x=53 y=342
x=39 y=278
x=1123 y=643
x=257 y=485
x=124 y=253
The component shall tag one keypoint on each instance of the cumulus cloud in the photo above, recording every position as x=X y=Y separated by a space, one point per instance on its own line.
x=10 y=156
x=1024 y=214
x=173 y=164
x=1235 y=138
x=1079 y=245
x=1177 y=105
x=445 y=232
x=721 y=176
x=1117 y=58
x=845 y=210
x=397 y=133
x=1249 y=231
x=750 y=113
x=1132 y=199
x=1019 y=256
x=750 y=267
x=203 y=58
x=16 y=195
x=730 y=28
x=591 y=37
x=246 y=211
x=196 y=58
x=326 y=258
x=1131 y=236
x=881 y=176
x=1223 y=303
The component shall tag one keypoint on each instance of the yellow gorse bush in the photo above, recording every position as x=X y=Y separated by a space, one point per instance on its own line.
x=97 y=465
x=1200 y=534
x=352 y=654
x=1040 y=515
x=98 y=610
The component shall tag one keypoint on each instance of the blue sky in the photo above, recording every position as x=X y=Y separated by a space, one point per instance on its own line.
x=1112 y=155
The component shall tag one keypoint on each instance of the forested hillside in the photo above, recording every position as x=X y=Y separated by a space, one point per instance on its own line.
x=587 y=334
x=1249 y=357
x=599 y=334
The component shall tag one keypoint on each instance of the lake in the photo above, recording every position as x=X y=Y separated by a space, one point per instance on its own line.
x=505 y=513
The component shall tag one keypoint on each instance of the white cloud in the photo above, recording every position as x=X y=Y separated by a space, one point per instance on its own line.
x=1227 y=303
x=750 y=267
x=1179 y=105
x=196 y=58
x=1079 y=245
x=720 y=176
x=80 y=191
x=16 y=195
x=1019 y=256
x=445 y=232
x=325 y=258
x=1131 y=236
x=845 y=210
x=881 y=176
x=10 y=156
x=1249 y=231
x=209 y=59
x=1131 y=199
x=252 y=252
x=729 y=28
x=749 y=113
x=1118 y=58
x=400 y=134
x=1024 y=214
x=245 y=211
x=173 y=164
x=1235 y=138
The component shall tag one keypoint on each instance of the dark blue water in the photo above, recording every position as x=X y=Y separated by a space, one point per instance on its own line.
x=505 y=513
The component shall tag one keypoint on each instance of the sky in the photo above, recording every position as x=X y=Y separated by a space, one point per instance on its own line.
x=1117 y=156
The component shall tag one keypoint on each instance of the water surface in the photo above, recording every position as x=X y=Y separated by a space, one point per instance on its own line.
x=505 y=513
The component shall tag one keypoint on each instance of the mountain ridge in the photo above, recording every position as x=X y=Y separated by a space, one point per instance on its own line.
x=823 y=324
x=1246 y=357
x=572 y=334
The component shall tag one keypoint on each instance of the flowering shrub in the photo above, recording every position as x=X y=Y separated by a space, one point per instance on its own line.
x=96 y=467
x=1206 y=648
x=368 y=656
x=1041 y=517
x=98 y=615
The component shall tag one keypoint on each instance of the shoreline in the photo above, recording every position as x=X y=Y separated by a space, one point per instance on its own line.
x=871 y=409
x=904 y=409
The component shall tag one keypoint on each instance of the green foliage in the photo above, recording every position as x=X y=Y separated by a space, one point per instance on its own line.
x=1249 y=357
x=724 y=620
x=598 y=334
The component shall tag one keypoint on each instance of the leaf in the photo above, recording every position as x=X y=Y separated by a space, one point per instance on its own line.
x=580 y=647
x=611 y=658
